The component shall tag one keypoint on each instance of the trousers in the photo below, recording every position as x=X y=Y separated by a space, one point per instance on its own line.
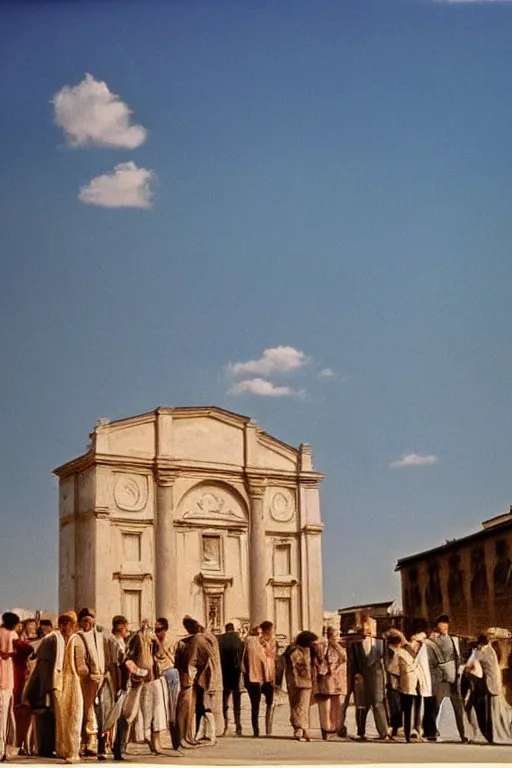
x=446 y=690
x=237 y=706
x=255 y=692
x=5 y=715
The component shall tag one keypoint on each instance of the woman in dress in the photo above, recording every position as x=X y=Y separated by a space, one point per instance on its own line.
x=300 y=676
x=23 y=650
x=498 y=712
x=331 y=683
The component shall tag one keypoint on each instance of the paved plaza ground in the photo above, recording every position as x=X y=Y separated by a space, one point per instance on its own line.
x=281 y=749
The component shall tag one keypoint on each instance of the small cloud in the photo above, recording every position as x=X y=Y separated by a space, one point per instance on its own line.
x=273 y=360
x=263 y=388
x=89 y=113
x=326 y=373
x=125 y=187
x=414 y=460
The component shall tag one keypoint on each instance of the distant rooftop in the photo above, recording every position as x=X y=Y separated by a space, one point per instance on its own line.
x=366 y=607
x=501 y=522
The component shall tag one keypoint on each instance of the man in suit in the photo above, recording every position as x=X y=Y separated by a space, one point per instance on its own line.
x=231 y=652
x=445 y=677
x=367 y=671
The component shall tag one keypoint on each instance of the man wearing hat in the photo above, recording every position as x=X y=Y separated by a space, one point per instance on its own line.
x=97 y=695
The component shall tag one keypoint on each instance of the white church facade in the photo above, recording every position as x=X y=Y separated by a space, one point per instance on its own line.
x=192 y=511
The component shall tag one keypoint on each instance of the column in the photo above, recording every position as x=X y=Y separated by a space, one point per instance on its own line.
x=166 y=576
x=257 y=556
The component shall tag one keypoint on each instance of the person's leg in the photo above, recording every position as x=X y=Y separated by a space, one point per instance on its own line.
x=225 y=708
x=99 y=711
x=361 y=715
x=381 y=718
x=418 y=701
x=429 y=718
x=324 y=715
x=458 y=710
x=267 y=690
x=200 y=712
x=407 y=702
x=237 y=711
x=254 y=691
x=479 y=702
x=5 y=704
x=489 y=735
x=345 y=701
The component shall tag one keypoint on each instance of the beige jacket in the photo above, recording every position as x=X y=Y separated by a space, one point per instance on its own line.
x=402 y=672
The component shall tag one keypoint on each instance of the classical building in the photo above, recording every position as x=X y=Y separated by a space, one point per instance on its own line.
x=192 y=511
x=470 y=579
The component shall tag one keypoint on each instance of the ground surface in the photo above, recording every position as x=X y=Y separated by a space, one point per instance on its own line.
x=282 y=749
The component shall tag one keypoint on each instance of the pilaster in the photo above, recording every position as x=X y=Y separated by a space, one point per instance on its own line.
x=257 y=553
x=166 y=575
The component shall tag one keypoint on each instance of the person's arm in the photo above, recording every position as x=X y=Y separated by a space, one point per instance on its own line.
x=7 y=650
x=80 y=658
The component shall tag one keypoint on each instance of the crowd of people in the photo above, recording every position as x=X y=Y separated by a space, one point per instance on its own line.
x=78 y=690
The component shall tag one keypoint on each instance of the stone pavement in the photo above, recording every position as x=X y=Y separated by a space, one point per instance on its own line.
x=281 y=749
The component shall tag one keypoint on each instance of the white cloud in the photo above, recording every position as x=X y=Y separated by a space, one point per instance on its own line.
x=326 y=373
x=125 y=187
x=89 y=113
x=273 y=360
x=414 y=460
x=263 y=388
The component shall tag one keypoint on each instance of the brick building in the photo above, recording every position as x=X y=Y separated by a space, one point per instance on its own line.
x=470 y=579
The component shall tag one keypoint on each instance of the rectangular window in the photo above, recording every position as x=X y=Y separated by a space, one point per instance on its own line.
x=282 y=560
x=131 y=607
x=131 y=547
x=283 y=618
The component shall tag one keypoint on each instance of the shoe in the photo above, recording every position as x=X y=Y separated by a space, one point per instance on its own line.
x=342 y=733
x=238 y=731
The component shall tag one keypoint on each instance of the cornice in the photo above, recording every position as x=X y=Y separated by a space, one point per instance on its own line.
x=283 y=449
x=207 y=411
x=310 y=479
x=132 y=522
x=313 y=529
x=189 y=523
x=135 y=577
x=284 y=582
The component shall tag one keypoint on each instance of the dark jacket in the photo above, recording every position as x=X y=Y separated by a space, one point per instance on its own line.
x=231 y=651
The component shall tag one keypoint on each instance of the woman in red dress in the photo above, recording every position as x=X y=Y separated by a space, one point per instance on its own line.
x=23 y=650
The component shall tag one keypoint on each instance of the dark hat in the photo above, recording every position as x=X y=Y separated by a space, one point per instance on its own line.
x=86 y=612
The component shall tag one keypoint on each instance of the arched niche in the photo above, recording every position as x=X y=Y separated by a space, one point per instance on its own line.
x=213 y=503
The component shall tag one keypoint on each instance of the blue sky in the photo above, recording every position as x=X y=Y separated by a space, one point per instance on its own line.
x=331 y=176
